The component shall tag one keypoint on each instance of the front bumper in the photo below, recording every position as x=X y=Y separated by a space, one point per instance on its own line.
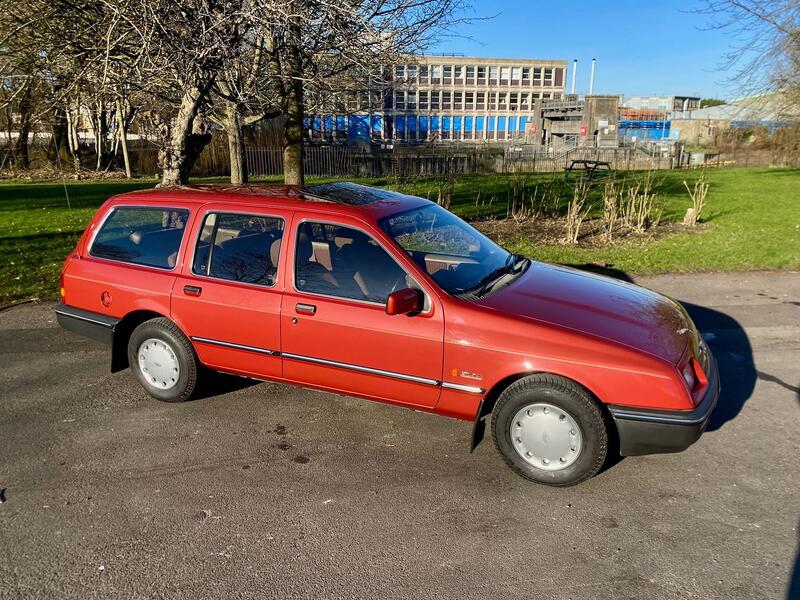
x=650 y=431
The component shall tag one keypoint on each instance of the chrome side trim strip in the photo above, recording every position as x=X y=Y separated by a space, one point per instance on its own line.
x=236 y=346
x=463 y=388
x=332 y=363
x=82 y=318
x=360 y=369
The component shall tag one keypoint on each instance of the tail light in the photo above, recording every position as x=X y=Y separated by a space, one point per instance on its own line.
x=63 y=291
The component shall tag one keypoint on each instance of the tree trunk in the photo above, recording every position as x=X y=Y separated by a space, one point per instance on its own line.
x=183 y=142
x=123 y=138
x=293 y=168
x=22 y=157
x=233 y=127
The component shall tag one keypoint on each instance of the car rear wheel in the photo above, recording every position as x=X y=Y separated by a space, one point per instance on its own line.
x=550 y=430
x=162 y=360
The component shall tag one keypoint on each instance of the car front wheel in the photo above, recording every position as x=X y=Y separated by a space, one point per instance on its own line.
x=550 y=430
x=162 y=360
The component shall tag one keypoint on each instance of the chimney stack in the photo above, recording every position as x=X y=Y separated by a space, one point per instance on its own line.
x=574 y=75
x=591 y=78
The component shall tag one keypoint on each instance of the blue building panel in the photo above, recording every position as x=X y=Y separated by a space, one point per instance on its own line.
x=376 y=125
x=479 y=123
x=468 y=123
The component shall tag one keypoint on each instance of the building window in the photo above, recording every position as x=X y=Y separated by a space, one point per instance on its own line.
x=494 y=72
x=411 y=101
x=458 y=100
x=516 y=75
x=525 y=101
x=492 y=100
x=470 y=75
x=423 y=100
x=502 y=101
x=448 y=74
x=423 y=73
x=505 y=75
x=399 y=100
x=481 y=75
x=435 y=99
x=459 y=73
x=399 y=71
x=537 y=77
x=446 y=104
x=480 y=103
x=469 y=100
x=526 y=76
x=546 y=96
x=513 y=102
x=411 y=73
x=548 y=77
x=436 y=73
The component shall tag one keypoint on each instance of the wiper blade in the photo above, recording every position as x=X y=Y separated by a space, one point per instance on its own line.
x=488 y=282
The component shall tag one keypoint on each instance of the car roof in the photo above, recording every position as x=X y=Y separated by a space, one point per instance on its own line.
x=337 y=198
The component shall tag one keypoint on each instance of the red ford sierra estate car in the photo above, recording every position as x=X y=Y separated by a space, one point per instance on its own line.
x=389 y=297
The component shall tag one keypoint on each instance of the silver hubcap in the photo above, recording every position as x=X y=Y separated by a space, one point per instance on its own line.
x=546 y=436
x=158 y=364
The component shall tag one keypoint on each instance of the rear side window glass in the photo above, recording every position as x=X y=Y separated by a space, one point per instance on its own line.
x=142 y=236
x=236 y=247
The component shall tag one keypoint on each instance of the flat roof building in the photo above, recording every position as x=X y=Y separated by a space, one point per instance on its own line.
x=432 y=98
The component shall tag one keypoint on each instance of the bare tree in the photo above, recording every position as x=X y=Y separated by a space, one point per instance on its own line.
x=765 y=56
x=243 y=96
x=312 y=43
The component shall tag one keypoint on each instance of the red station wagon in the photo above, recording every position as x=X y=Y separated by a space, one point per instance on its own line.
x=389 y=297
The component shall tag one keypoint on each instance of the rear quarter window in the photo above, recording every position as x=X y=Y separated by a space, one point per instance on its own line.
x=142 y=236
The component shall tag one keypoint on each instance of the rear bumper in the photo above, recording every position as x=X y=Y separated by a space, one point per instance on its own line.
x=86 y=323
x=650 y=431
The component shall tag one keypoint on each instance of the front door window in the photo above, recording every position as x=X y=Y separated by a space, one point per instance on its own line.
x=334 y=260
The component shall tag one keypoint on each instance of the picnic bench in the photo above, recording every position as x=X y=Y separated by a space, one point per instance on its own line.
x=588 y=168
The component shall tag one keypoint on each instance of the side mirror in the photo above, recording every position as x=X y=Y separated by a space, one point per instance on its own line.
x=404 y=301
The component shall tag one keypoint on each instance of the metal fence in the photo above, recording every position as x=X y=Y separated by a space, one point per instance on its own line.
x=343 y=161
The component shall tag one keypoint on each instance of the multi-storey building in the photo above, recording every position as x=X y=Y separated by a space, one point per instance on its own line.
x=445 y=98
x=454 y=98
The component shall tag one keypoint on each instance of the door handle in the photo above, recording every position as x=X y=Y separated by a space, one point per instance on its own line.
x=306 y=309
x=192 y=290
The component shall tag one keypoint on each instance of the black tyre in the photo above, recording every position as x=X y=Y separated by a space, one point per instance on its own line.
x=550 y=430
x=163 y=361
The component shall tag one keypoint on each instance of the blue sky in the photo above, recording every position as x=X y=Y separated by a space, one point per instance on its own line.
x=655 y=47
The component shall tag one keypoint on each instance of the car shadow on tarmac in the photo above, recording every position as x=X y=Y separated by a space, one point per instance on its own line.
x=793 y=592
x=213 y=383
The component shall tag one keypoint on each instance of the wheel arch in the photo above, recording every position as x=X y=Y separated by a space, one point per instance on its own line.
x=488 y=402
x=122 y=333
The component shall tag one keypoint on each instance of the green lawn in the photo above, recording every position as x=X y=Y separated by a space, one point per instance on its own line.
x=752 y=216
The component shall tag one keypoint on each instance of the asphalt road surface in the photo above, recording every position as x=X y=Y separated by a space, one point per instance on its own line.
x=268 y=491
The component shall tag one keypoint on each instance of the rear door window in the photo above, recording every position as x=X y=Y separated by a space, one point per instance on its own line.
x=142 y=236
x=239 y=247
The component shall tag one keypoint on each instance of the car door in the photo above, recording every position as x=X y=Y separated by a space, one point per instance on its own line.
x=227 y=298
x=335 y=332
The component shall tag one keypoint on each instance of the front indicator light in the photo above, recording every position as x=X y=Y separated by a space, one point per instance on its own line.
x=688 y=375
